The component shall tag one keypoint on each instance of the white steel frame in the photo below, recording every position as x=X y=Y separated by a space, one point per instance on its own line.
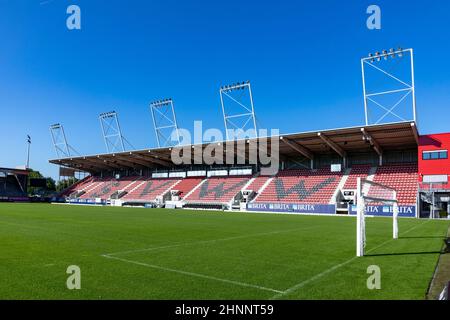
x=408 y=88
x=361 y=201
x=59 y=140
x=111 y=131
x=433 y=187
x=166 y=120
x=247 y=110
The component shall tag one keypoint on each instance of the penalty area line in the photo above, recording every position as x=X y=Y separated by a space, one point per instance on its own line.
x=186 y=244
x=340 y=265
x=192 y=274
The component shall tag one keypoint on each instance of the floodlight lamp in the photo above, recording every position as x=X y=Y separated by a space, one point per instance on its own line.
x=392 y=52
x=377 y=54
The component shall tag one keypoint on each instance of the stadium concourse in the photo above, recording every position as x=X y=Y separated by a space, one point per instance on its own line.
x=317 y=174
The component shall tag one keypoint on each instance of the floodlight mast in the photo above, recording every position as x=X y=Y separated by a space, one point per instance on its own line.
x=408 y=88
x=248 y=111
x=59 y=140
x=112 y=134
x=164 y=118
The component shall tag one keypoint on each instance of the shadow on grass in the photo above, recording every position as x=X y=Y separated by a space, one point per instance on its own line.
x=446 y=248
x=425 y=237
x=403 y=254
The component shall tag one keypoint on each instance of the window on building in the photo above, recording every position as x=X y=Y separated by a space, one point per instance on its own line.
x=435 y=155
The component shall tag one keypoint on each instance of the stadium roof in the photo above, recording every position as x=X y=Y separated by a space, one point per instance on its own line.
x=15 y=170
x=376 y=138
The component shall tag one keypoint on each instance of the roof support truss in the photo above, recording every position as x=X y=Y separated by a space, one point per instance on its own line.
x=157 y=159
x=333 y=145
x=133 y=163
x=373 y=142
x=299 y=148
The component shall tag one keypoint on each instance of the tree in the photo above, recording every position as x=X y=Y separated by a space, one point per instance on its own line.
x=35 y=174
x=51 y=184
x=64 y=184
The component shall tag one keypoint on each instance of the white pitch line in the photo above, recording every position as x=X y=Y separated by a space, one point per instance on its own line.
x=206 y=241
x=317 y=276
x=192 y=274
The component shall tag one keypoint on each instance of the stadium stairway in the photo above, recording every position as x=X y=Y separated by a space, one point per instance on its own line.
x=262 y=188
x=217 y=190
x=76 y=186
x=124 y=186
x=257 y=183
x=301 y=186
x=252 y=184
x=341 y=185
x=89 y=189
x=403 y=178
x=106 y=189
x=132 y=184
x=357 y=171
x=194 y=189
x=149 y=190
x=186 y=186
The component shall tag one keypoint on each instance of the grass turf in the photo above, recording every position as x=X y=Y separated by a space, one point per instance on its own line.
x=128 y=253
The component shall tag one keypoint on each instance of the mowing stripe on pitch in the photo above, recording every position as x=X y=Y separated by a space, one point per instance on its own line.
x=198 y=275
x=183 y=244
x=192 y=274
x=317 y=276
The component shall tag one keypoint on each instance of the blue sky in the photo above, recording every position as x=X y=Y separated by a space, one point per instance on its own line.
x=302 y=57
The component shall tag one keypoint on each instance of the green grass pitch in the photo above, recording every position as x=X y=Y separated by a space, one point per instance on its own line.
x=129 y=253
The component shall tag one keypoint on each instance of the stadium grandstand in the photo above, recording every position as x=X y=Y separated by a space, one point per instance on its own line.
x=317 y=174
x=13 y=185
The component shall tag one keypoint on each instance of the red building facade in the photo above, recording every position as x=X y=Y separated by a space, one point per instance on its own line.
x=434 y=161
